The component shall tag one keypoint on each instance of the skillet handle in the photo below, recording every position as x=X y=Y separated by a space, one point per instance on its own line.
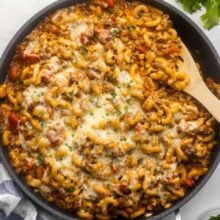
x=177 y=214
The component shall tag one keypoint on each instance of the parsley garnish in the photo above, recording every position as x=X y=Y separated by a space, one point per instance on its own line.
x=211 y=17
x=42 y=123
x=141 y=13
x=72 y=189
x=17 y=82
x=114 y=33
x=140 y=161
x=113 y=94
x=40 y=159
x=126 y=108
x=71 y=94
x=94 y=161
x=98 y=106
x=217 y=217
x=61 y=158
x=91 y=113
x=42 y=113
x=83 y=50
x=118 y=112
x=130 y=28
x=70 y=147
x=123 y=139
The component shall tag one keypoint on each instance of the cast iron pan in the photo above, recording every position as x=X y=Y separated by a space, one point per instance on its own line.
x=202 y=51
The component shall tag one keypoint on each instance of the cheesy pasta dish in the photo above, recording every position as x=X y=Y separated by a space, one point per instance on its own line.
x=93 y=114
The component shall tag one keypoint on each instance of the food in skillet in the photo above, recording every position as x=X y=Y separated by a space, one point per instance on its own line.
x=93 y=115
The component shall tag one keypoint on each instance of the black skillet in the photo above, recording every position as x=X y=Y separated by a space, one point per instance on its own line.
x=202 y=51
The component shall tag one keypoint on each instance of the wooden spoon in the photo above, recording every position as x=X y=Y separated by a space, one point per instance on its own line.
x=197 y=87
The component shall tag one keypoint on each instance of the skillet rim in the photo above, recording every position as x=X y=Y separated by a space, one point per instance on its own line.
x=5 y=60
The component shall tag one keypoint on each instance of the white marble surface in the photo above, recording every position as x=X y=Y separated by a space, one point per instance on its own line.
x=14 y=13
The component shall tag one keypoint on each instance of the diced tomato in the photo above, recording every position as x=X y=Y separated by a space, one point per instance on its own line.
x=189 y=182
x=171 y=49
x=141 y=48
x=102 y=34
x=18 y=169
x=13 y=120
x=27 y=56
x=115 y=168
x=111 y=3
x=30 y=163
x=31 y=57
x=13 y=72
x=84 y=39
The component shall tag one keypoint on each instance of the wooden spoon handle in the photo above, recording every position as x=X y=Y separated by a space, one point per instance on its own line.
x=207 y=99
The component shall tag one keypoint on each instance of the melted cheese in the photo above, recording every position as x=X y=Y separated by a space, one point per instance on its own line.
x=34 y=94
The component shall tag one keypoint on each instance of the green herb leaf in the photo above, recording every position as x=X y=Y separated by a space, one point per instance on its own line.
x=94 y=161
x=114 y=33
x=217 y=217
x=83 y=50
x=69 y=146
x=40 y=159
x=118 y=112
x=61 y=158
x=71 y=94
x=212 y=15
x=130 y=28
x=72 y=189
x=126 y=108
x=113 y=94
x=98 y=106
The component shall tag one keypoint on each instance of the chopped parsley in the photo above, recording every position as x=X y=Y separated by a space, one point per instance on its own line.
x=130 y=28
x=123 y=139
x=41 y=113
x=211 y=16
x=40 y=159
x=130 y=152
x=118 y=112
x=98 y=106
x=91 y=113
x=72 y=189
x=217 y=217
x=42 y=123
x=18 y=83
x=140 y=14
x=83 y=50
x=113 y=94
x=70 y=147
x=94 y=161
x=114 y=33
x=126 y=108
x=61 y=158
x=129 y=84
x=71 y=94
x=140 y=161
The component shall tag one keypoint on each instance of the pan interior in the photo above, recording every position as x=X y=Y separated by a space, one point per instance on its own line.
x=183 y=26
